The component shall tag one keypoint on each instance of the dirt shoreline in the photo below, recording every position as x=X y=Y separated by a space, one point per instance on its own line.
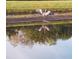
x=40 y=18
x=36 y=15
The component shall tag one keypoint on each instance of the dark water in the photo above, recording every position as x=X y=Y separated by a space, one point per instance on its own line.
x=40 y=42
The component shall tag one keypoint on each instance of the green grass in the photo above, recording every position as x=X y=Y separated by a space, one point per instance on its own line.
x=14 y=7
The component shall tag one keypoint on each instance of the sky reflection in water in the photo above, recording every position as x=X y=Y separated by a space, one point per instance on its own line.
x=62 y=50
x=60 y=47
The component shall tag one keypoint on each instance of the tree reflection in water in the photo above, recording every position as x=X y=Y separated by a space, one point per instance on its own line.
x=30 y=35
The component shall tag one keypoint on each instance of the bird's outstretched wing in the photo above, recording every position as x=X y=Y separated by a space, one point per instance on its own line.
x=39 y=10
x=47 y=13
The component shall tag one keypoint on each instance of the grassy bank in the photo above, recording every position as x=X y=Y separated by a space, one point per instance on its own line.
x=29 y=7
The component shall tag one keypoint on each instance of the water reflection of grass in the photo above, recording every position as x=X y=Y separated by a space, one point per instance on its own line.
x=39 y=23
x=32 y=35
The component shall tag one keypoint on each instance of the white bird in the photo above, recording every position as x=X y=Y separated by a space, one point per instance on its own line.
x=43 y=13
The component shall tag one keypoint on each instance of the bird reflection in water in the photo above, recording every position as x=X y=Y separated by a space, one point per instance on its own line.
x=43 y=27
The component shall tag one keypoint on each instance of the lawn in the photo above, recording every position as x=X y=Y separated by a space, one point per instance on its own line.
x=29 y=7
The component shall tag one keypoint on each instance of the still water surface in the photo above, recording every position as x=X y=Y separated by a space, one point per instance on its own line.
x=55 y=43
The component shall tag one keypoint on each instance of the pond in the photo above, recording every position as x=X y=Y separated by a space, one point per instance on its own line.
x=39 y=42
